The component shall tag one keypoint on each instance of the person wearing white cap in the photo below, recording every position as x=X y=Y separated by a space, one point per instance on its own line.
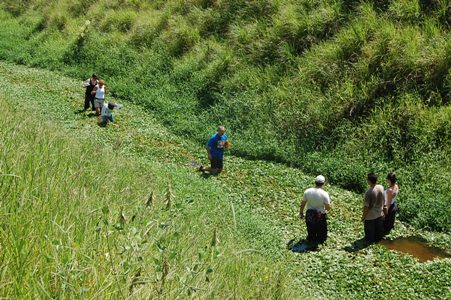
x=317 y=201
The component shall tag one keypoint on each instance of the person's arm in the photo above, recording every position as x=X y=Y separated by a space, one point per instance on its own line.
x=208 y=151
x=365 y=209
x=365 y=212
x=389 y=201
x=301 y=208
x=94 y=90
x=86 y=83
x=208 y=147
x=327 y=205
x=226 y=141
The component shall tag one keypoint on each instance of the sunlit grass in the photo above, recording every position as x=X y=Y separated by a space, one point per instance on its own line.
x=293 y=80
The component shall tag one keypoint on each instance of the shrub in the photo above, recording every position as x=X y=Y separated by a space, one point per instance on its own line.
x=147 y=29
x=122 y=20
x=179 y=37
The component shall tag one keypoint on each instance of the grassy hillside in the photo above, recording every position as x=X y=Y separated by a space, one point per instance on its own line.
x=337 y=87
x=74 y=224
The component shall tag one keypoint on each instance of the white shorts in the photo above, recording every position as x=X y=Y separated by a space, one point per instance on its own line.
x=98 y=103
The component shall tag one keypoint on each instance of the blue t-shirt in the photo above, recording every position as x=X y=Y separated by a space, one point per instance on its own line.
x=216 y=145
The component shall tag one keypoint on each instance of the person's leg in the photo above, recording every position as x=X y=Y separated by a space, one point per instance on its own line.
x=104 y=121
x=215 y=166
x=389 y=221
x=111 y=118
x=311 y=232
x=379 y=229
x=86 y=106
x=97 y=106
x=369 y=231
x=322 y=229
x=92 y=104
x=219 y=166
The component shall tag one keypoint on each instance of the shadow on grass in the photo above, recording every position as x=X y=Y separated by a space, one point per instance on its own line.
x=91 y=114
x=79 y=111
x=302 y=246
x=357 y=245
x=203 y=174
x=206 y=175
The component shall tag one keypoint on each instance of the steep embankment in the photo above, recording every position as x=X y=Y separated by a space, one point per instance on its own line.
x=73 y=222
x=337 y=87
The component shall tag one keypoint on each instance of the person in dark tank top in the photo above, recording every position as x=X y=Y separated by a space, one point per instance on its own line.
x=89 y=85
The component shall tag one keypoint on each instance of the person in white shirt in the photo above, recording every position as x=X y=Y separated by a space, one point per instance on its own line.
x=318 y=202
x=391 y=205
x=99 y=96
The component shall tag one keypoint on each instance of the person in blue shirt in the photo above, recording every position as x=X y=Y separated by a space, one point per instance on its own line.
x=215 y=149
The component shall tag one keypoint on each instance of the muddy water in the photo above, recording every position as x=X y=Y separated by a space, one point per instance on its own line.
x=416 y=247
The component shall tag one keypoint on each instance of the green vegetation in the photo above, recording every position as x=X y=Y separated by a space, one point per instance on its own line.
x=331 y=86
x=74 y=221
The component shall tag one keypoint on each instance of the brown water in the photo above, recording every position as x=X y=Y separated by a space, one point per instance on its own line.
x=415 y=246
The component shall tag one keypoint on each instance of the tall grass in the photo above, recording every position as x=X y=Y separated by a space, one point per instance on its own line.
x=75 y=224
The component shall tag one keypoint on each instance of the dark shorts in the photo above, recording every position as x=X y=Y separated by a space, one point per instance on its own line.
x=316 y=230
x=374 y=230
x=105 y=120
x=216 y=163
x=389 y=221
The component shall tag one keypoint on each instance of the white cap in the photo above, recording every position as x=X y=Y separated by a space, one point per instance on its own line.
x=320 y=179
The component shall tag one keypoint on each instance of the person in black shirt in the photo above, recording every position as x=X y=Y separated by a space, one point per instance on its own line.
x=89 y=85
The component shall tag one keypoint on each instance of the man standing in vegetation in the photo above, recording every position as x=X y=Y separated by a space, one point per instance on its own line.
x=89 y=85
x=372 y=215
x=317 y=201
x=215 y=149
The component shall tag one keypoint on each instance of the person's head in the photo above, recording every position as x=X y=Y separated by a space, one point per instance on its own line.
x=101 y=83
x=94 y=76
x=371 y=178
x=320 y=180
x=221 y=130
x=111 y=105
x=391 y=179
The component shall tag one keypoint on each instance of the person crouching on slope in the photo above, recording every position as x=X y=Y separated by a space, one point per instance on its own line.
x=107 y=113
x=317 y=201
x=215 y=149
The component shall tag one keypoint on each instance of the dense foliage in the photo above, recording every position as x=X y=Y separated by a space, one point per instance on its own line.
x=331 y=86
